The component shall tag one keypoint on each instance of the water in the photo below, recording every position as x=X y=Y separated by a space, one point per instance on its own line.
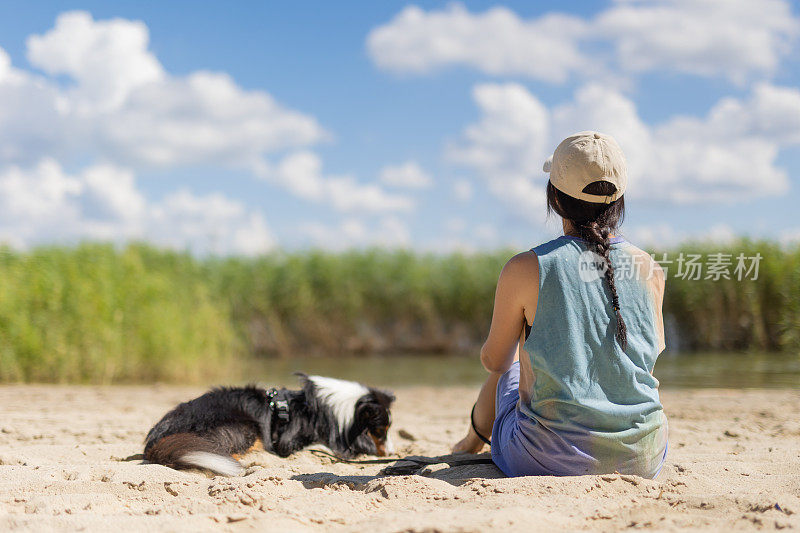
x=729 y=370
x=708 y=370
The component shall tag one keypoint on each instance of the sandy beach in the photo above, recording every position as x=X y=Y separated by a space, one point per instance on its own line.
x=734 y=463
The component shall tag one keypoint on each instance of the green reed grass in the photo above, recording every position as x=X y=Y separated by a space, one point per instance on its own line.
x=729 y=314
x=96 y=313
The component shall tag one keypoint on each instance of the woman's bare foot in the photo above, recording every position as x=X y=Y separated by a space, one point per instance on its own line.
x=469 y=444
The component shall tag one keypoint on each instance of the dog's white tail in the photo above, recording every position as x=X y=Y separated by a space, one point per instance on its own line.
x=226 y=466
x=187 y=450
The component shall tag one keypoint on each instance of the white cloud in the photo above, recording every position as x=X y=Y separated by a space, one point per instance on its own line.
x=210 y=223
x=105 y=97
x=301 y=173
x=111 y=191
x=496 y=42
x=107 y=59
x=735 y=40
x=40 y=196
x=720 y=234
x=663 y=236
x=652 y=235
x=202 y=118
x=790 y=237
x=771 y=113
x=121 y=105
x=507 y=146
x=462 y=237
x=43 y=203
x=704 y=37
x=486 y=233
x=32 y=123
x=387 y=232
x=408 y=175
x=727 y=156
x=5 y=64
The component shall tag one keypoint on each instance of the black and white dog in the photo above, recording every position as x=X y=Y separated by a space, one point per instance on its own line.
x=211 y=430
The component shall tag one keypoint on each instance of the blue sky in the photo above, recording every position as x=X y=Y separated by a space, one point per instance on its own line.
x=241 y=127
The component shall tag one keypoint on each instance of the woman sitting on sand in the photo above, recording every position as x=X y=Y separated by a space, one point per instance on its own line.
x=575 y=333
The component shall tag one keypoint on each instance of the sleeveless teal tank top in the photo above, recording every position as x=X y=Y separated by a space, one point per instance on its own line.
x=594 y=407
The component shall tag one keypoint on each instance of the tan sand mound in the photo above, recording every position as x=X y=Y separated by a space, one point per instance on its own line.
x=734 y=463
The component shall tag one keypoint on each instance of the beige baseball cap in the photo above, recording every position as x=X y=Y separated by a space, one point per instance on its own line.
x=586 y=157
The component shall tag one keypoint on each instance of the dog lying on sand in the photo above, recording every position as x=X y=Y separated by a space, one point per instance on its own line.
x=212 y=430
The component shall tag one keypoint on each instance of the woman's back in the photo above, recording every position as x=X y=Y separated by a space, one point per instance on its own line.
x=593 y=406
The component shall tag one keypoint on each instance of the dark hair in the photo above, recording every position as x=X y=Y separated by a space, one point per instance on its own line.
x=594 y=223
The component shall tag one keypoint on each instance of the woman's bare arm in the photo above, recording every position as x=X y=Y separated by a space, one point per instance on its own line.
x=514 y=303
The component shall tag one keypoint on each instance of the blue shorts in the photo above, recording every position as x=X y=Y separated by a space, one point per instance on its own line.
x=520 y=445
x=508 y=453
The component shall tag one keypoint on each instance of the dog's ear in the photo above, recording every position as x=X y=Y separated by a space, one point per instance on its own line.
x=307 y=386
x=368 y=411
x=383 y=396
x=390 y=396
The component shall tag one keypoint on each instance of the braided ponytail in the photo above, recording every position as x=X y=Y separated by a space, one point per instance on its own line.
x=594 y=223
x=598 y=236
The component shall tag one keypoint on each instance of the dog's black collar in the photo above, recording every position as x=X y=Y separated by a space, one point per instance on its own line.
x=278 y=402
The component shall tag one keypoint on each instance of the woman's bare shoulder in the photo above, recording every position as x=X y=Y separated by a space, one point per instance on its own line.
x=522 y=267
